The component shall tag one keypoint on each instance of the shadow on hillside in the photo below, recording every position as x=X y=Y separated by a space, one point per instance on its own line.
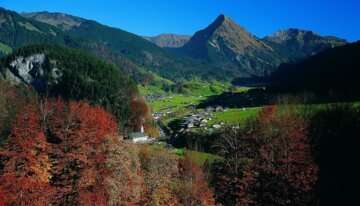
x=262 y=97
x=252 y=98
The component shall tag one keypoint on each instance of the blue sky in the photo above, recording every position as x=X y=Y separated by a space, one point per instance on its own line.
x=261 y=17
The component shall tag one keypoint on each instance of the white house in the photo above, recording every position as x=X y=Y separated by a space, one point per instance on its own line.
x=139 y=136
x=216 y=126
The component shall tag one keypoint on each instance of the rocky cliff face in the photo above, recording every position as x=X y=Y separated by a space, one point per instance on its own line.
x=30 y=70
x=169 y=40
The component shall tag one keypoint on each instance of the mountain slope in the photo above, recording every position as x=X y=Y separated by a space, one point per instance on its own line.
x=17 y=31
x=334 y=69
x=73 y=75
x=304 y=43
x=227 y=44
x=169 y=40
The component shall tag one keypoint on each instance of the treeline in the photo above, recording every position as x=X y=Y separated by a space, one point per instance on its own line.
x=70 y=153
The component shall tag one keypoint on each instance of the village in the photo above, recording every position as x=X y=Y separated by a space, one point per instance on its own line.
x=202 y=120
x=166 y=108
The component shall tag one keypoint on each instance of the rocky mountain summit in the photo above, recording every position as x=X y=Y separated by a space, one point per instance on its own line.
x=169 y=40
x=227 y=44
x=304 y=42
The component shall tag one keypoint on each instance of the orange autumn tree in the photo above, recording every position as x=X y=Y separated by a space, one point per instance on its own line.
x=140 y=115
x=267 y=161
x=26 y=174
x=55 y=155
x=193 y=187
x=288 y=173
x=78 y=130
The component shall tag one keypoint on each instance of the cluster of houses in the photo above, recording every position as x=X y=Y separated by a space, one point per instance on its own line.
x=201 y=120
x=155 y=97
x=159 y=114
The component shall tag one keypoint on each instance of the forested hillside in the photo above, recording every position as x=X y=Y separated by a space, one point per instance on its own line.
x=17 y=31
x=131 y=53
x=74 y=75
x=331 y=70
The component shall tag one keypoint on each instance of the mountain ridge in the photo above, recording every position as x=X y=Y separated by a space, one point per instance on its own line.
x=131 y=53
x=227 y=44
x=224 y=50
x=165 y=40
x=305 y=41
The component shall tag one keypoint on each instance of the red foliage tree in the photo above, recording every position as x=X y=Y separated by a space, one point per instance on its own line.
x=194 y=189
x=139 y=111
x=267 y=161
x=80 y=130
x=287 y=169
x=55 y=155
x=26 y=176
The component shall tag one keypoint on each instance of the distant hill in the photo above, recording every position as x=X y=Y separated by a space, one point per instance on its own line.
x=334 y=70
x=60 y=20
x=169 y=40
x=229 y=45
x=304 y=43
x=71 y=74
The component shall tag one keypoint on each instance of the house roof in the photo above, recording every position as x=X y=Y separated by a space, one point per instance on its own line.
x=137 y=135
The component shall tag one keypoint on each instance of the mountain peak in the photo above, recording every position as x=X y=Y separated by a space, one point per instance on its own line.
x=226 y=43
x=221 y=18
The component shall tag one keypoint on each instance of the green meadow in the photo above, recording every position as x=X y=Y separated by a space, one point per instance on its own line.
x=234 y=116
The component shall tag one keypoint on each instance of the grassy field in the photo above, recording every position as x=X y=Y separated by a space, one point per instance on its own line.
x=199 y=158
x=241 y=89
x=195 y=87
x=156 y=86
x=5 y=48
x=234 y=116
x=177 y=101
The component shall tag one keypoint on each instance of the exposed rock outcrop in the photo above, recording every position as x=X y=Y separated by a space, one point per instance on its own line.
x=30 y=70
